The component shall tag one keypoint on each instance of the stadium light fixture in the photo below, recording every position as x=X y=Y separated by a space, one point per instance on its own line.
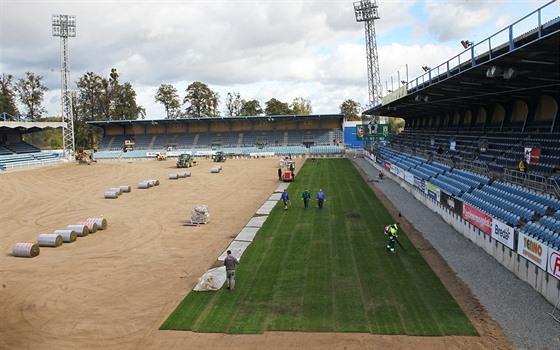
x=418 y=98
x=493 y=72
x=466 y=44
x=508 y=74
x=426 y=68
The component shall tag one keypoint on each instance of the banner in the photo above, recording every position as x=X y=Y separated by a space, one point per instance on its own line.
x=554 y=263
x=452 y=203
x=420 y=183
x=477 y=218
x=395 y=169
x=408 y=177
x=433 y=192
x=359 y=132
x=532 y=155
x=503 y=233
x=532 y=250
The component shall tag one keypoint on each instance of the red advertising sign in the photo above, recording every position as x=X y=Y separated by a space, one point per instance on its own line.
x=478 y=219
x=554 y=263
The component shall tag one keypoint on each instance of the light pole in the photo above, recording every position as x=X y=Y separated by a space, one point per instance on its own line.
x=64 y=26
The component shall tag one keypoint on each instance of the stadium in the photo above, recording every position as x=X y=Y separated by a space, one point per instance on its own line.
x=480 y=239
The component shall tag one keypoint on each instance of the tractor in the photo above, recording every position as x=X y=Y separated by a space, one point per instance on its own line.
x=219 y=156
x=161 y=156
x=186 y=161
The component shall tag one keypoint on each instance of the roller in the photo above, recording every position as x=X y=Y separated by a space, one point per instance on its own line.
x=125 y=188
x=49 y=240
x=25 y=250
x=92 y=226
x=101 y=222
x=111 y=195
x=68 y=236
x=81 y=230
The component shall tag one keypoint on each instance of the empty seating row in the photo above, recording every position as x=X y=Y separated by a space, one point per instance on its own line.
x=553 y=203
x=525 y=202
x=514 y=208
x=543 y=234
x=492 y=209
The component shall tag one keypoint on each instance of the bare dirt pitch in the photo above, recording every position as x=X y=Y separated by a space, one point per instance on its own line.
x=113 y=289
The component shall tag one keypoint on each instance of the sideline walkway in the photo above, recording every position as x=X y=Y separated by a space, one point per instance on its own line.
x=518 y=308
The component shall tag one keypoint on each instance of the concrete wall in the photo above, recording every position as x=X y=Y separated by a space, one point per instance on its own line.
x=543 y=282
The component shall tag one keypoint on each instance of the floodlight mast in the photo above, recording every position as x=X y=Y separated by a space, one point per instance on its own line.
x=366 y=11
x=64 y=26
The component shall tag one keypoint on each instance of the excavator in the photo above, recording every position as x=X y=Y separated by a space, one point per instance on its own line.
x=85 y=156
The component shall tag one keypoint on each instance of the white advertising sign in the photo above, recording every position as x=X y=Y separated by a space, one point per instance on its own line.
x=409 y=177
x=502 y=233
x=532 y=250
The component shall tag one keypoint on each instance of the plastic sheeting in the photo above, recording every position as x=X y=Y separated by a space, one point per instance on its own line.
x=200 y=214
x=212 y=280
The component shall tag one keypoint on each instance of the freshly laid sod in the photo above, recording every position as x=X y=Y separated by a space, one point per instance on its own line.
x=327 y=271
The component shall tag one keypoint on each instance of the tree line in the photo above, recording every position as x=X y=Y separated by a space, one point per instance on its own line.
x=98 y=97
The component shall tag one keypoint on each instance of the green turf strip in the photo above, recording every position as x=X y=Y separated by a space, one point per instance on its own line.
x=327 y=271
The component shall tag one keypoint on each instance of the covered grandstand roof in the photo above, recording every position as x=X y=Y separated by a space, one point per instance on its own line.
x=504 y=67
x=278 y=118
x=28 y=127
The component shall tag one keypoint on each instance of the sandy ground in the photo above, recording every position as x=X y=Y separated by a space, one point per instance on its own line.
x=113 y=289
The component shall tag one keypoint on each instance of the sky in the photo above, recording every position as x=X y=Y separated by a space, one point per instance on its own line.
x=263 y=49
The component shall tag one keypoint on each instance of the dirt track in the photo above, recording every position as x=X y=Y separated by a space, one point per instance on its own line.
x=114 y=288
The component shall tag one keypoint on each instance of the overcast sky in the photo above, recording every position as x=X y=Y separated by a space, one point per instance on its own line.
x=261 y=49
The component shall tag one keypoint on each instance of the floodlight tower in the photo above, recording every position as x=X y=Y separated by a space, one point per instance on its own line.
x=366 y=11
x=64 y=26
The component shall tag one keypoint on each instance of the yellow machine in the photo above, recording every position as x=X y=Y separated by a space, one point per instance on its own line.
x=161 y=156
x=85 y=156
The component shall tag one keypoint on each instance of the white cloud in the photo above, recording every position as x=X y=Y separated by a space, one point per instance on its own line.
x=263 y=49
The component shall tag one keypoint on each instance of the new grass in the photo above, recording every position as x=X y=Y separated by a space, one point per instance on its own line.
x=327 y=271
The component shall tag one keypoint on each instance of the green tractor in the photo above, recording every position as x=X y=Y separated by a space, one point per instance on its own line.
x=219 y=156
x=186 y=161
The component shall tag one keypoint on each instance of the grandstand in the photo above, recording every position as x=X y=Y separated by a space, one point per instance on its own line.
x=469 y=122
x=16 y=153
x=279 y=135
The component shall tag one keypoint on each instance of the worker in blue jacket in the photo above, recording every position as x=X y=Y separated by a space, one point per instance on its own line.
x=285 y=198
x=321 y=198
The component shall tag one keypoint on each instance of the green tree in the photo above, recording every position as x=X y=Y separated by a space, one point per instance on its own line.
x=124 y=101
x=7 y=95
x=350 y=109
x=31 y=92
x=252 y=107
x=301 y=106
x=168 y=96
x=201 y=100
x=275 y=107
x=47 y=138
x=234 y=103
x=88 y=106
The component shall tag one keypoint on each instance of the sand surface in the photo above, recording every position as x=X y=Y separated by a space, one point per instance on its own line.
x=114 y=288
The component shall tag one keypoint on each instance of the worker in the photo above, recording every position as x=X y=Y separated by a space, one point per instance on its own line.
x=230 y=262
x=391 y=231
x=321 y=198
x=523 y=165
x=306 y=196
x=279 y=174
x=285 y=198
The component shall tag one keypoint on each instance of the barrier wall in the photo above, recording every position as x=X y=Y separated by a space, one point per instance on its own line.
x=543 y=282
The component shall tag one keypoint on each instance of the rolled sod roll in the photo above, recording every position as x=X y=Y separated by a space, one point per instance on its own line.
x=144 y=185
x=153 y=182
x=116 y=189
x=49 y=240
x=181 y=175
x=173 y=176
x=81 y=230
x=125 y=188
x=111 y=195
x=101 y=222
x=26 y=250
x=92 y=226
x=186 y=174
x=68 y=236
x=215 y=170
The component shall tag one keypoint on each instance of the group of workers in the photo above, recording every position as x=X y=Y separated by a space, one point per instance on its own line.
x=305 y=196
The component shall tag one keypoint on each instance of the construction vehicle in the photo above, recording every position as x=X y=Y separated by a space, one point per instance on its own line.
x=161 y=156
x=85 y=156
x=287 y=175
x=186 y=161
x=219 y=156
